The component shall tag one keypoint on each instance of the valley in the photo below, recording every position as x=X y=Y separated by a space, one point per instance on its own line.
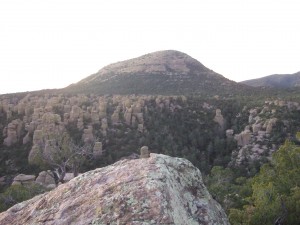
x=176 y=106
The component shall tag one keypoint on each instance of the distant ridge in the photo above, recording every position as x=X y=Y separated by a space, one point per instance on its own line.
x=276 y=81
x=162 y=72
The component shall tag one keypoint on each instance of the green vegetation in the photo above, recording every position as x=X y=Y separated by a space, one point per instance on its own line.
x=276 y=81
x=177 y=126
x=275 y=194
x=180 y=126
x=161 y=84
x=61 y=154
x=272 y=196
x=19 y=193
x=14 y=159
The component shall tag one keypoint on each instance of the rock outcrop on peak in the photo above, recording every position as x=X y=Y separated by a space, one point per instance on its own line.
x=163 y=62
x=163 y=72
x=155 y=190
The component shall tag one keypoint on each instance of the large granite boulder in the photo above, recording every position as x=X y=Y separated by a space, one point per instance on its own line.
x=155 y=190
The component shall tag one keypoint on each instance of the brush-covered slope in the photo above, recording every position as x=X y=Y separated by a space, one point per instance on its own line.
x=162 y=72
x=276 y=81
x=156 y=190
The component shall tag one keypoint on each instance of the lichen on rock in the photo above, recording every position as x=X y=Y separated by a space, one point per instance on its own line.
x=155 y=190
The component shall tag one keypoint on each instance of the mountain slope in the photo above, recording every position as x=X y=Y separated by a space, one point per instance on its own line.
x=156 y=190
x=162 y=72
x=276 y=81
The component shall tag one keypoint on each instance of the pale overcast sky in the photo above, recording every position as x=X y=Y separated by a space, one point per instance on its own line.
x=53 y=43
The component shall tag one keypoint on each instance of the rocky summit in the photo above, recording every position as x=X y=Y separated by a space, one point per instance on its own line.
x=162 y=62
x=162 y=72
x=154 y=190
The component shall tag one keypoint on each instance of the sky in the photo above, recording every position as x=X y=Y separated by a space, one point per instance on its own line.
x=53 y=43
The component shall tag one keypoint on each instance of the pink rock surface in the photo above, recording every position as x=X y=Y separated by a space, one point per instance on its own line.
x=155 y=190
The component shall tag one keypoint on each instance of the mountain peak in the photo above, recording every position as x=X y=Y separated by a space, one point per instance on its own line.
x=167 y=72
x=162 y=62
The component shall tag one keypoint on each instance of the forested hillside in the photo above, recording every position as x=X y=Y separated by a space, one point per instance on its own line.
x=227 y=138
x=276 y=81
x=238 y=136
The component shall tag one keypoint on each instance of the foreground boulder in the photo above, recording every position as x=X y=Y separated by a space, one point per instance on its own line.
x=155 y=190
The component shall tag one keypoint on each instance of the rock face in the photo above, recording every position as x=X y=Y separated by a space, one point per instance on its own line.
x=244 y=137
x=159 y=62
x=13 y=132
x=254 y=142
x=155 y=190
x=219 y=118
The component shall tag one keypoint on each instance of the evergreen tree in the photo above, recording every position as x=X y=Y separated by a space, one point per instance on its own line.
x=275 y=191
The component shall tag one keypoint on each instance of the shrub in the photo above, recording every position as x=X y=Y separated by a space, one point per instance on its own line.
x=19 y=193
